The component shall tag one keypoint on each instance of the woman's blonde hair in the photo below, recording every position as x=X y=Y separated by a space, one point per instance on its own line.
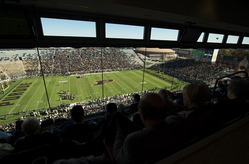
x=197 y=94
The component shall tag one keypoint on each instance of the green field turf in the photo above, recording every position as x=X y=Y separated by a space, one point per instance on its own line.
x=34 y=97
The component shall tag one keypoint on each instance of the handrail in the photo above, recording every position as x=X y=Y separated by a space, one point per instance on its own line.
x=228 y=76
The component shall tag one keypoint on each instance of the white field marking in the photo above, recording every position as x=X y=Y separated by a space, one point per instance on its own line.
x=41 y=101
x=134 y=82
x=114 y=87
x=101 y=73
x=41 y=97
x=143 y=83
x=124 y=84
x=77 y=90
x=62 y=81
x=53 y=87
x=94 y=87
x=69 y=88
x=84 y=85
x=22 y=97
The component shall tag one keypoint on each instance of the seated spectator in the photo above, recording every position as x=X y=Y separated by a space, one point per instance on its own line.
x=155 y=139
x=121 y=109
x=169 y=103
x=17 y=133
x=47 y=126
x=220 y=87
x=225 y=84
x=33 y=138
x=196 y=113
x=78 y=130
x=236 y=104
x=4 y=136
x=111 y=108
x=133 y=108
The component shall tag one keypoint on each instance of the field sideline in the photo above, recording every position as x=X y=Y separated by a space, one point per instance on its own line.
x=30 y=93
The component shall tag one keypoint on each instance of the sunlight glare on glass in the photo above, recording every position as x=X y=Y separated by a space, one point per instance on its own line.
x=245 y=40
x=68 y=28
x=215 y=38
x=201 y=37
x=232 y=39
x=121 y=31
x=164 y=34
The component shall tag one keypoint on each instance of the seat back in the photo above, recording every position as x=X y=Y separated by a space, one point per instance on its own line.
x=27 y=156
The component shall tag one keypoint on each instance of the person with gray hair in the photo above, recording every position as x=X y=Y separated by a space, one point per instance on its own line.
x=235 y=105
x=31 y=126
x=33 y=138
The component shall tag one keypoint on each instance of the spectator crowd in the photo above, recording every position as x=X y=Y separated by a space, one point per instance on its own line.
x=190 y=70
x=64 y=61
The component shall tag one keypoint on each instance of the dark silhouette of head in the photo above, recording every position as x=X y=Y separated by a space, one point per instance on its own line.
x=152 y=108
x=136 y=98
x=111 y=108
x=77 y=114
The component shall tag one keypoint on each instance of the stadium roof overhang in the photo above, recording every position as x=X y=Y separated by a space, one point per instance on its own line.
x=226 y=17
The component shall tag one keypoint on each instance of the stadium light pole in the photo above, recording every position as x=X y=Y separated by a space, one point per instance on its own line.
x=102 y=73
x=144 y=69
x=44 y=80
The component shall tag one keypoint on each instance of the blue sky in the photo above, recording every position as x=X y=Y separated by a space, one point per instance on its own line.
x=75 y=28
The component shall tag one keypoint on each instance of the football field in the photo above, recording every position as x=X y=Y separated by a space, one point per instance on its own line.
x=30 y=94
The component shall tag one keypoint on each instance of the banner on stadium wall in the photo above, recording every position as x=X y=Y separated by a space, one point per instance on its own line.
x=215 y=55
x=202 y=54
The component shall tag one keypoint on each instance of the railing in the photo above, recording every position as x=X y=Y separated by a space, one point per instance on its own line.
x=246 y=75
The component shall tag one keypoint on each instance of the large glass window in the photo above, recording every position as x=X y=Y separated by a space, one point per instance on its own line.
x=122 y=31
x=215 y=38
x=68 y=28
x=200 y=39
x=232 y=39
x=245 y=40
x=164 y=34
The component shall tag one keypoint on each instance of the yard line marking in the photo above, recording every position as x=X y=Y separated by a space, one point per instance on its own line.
x=53 y=89
x=84 y=85
x=92 y=87
x=42 y=95
x=32 y=96
x=115 y=87
x=69 y=87
x=21 y=97
x=77 y=89
x=121 y=77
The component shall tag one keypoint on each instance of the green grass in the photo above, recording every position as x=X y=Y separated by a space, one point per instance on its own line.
x=148 y=63
x=35 y=96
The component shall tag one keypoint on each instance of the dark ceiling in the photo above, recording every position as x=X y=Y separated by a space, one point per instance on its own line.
x=229 y=16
